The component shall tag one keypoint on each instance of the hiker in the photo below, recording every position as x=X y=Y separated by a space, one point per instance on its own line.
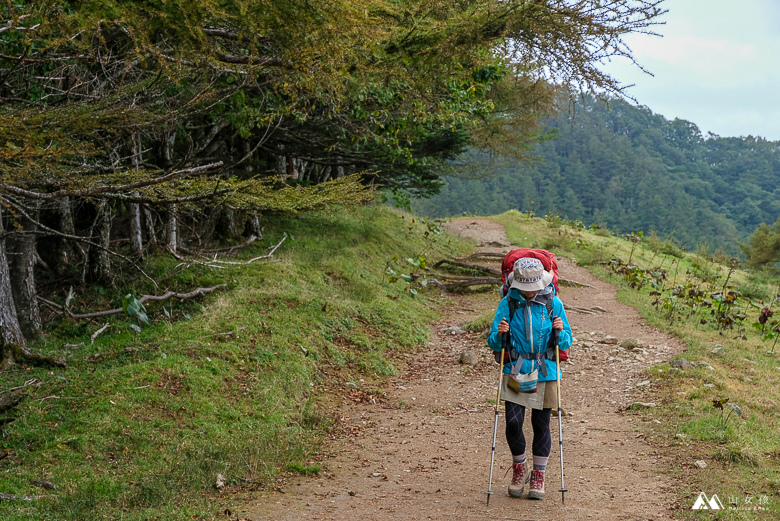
x=529 y=313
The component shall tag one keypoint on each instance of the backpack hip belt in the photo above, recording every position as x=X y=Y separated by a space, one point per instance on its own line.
x=539 y=357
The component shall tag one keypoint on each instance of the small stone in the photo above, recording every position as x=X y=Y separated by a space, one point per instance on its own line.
x=610 y=340
x=681 y=436
x=701 y=363
x=220 y=481
x=468 y=358
x=631 y=343
x=701 y=464
x=643 y=383
x=584 y=337
x=453 y=330
x=376 y=475
x=642 y=405
x=709 y=385
x=682 y=364
x=718 y=351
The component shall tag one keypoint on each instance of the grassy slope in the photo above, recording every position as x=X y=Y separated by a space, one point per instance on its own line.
x=140 y=425
x=743 y=453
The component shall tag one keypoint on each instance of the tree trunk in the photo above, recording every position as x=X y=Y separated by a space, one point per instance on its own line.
x=167 y=149
x=11 y=335
x=68 y=252
x=325 y=174
x=151 y=233
x=292 y=173
x=246 y=150
x=99 y=258
x=253 y=226
x=231 y=228
x=22 y=258
x=171 y=229
x=136 y=238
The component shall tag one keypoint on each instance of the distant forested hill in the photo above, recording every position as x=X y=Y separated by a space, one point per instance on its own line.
x=629 y=169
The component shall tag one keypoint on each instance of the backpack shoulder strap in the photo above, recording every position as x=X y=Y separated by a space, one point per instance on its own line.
x=512 y=303
x=549 y=307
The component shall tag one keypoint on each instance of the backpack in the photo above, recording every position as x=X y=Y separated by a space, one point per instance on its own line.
x=507 y=266
x=547 y=258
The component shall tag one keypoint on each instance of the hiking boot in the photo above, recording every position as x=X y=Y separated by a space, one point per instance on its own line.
x=537 y=484
x=519 y=478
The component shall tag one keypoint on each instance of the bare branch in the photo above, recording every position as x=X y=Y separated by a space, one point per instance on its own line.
x=144 y=298
x=477 y=267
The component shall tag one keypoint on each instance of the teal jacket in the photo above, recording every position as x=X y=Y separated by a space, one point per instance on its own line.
x=530 y=330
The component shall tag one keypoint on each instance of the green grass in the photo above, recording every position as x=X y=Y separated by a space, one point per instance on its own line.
x=140 y=424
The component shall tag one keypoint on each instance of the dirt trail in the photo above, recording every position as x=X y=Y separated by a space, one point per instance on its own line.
x=429 y=459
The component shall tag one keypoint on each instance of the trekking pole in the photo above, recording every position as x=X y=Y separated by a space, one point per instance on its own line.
x=495 y=422
x=560 y=424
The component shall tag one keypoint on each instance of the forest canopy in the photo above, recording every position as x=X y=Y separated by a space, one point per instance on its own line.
x=171 y=123
x=622 y=166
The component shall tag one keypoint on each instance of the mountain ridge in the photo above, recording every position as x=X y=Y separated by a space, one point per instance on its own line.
x=629 y=169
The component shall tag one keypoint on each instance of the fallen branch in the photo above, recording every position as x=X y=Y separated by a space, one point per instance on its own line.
x=226 y=333
x=464 y=282
x=580 y=310
x=226 y=251
x=484 y=255
x=99 y=332
x=476 y=267
x=491 y=255
x=8 y=497
x=142 y=299
x=214 y=263
x=574 y=283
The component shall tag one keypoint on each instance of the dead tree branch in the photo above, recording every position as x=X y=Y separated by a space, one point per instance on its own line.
x=226 y=251
x=450 y=283
x=476 y=267
x=144 y=298
x=214 y=263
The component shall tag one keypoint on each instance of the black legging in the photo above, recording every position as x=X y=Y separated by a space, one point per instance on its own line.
x=540 y=421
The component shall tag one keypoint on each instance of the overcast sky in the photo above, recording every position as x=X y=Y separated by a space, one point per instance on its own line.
x=717 y=65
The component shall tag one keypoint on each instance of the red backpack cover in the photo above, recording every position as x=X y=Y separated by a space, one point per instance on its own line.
x=547 y=258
